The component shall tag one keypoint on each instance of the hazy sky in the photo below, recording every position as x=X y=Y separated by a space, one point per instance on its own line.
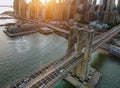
x=10 y=2
x=6 y=2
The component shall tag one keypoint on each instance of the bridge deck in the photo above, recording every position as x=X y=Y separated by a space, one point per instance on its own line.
x=57 y=70
x=106 y=37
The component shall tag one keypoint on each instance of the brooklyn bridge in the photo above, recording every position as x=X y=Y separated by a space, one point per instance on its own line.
x=82 y=41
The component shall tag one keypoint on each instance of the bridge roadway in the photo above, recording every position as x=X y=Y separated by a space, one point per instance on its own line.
x=47 y=75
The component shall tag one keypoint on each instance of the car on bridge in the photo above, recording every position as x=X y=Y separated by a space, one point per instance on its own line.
x=42 y=86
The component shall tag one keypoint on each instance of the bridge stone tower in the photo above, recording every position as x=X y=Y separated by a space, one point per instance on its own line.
x=81 y=40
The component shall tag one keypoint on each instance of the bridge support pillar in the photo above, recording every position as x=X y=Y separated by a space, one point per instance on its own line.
x=85 y=66
x=82 y=75
x=71 y=41
x=84 y=45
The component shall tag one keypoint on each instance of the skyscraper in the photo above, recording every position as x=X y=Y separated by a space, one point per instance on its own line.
x=110 y=5
x=16 y=7
x=105 y=4
x=118 y=6
x=89 y=1
x=22 y=8
x=101 y=2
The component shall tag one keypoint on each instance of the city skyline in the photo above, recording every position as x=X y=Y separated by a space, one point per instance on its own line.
x=10 y=2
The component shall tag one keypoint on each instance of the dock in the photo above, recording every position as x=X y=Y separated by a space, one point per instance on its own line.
x=59 y=31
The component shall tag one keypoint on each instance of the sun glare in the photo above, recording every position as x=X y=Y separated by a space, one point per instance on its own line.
x=28 y=1
x=44 y=1
x=48 y=1
x=57 y=1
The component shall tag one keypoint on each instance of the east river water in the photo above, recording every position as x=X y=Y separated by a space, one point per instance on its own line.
x=21 y=55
